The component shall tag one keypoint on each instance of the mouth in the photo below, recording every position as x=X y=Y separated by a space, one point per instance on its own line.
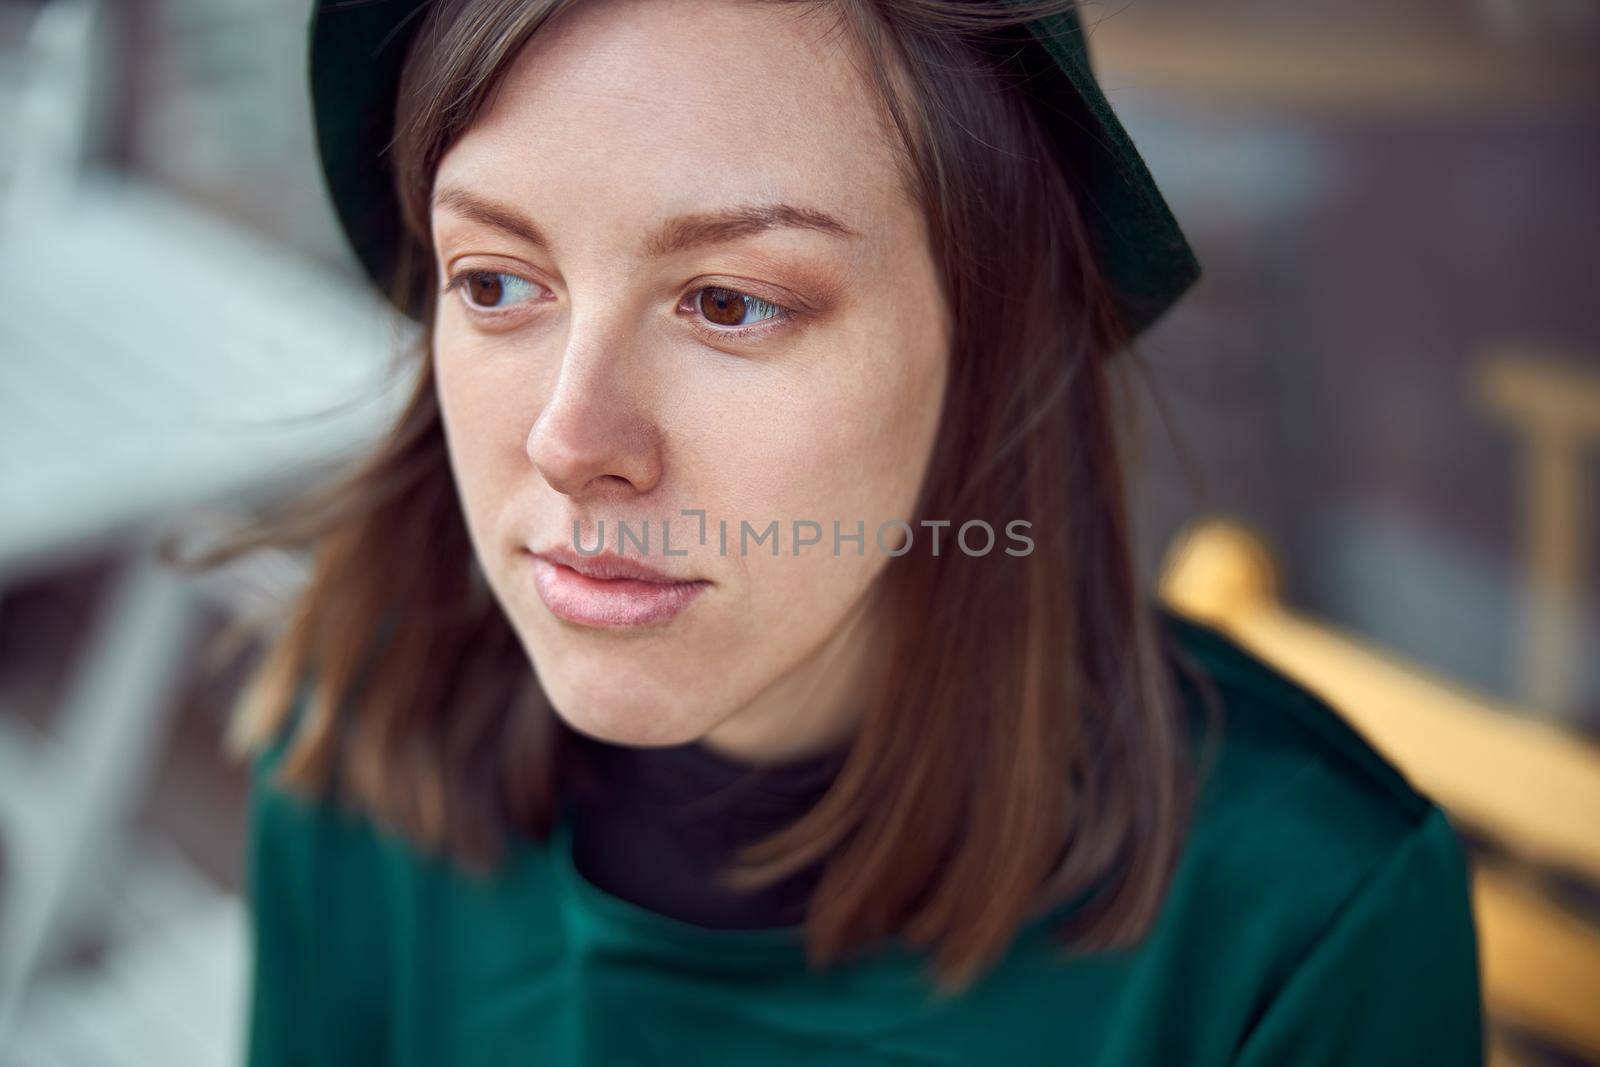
x=608 y=591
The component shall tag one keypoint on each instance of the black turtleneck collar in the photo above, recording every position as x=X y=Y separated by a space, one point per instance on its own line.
x=653 y=825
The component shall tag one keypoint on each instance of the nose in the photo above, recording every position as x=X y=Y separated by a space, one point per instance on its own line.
x=595 y=434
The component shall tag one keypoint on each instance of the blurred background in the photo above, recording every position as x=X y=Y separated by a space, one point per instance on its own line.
x=1368 y=445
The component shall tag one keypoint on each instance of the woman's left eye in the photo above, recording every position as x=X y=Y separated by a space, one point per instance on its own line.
x=491 y=290
x=733 y=312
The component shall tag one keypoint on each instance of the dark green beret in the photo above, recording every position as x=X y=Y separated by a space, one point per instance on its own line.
x=357 y=48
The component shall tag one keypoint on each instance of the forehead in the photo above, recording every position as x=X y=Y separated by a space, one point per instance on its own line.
x=684 y=101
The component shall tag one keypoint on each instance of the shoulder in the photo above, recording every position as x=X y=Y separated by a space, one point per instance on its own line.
x=1275 y=739
x=321 y=884
x=1329 y=894
x=317 y=845
x=282 y=814
x=305 y=850
x=1301 y=828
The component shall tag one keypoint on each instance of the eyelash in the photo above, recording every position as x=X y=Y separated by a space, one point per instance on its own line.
x=784 y=315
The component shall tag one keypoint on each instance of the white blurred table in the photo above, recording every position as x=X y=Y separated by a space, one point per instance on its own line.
x=153 y=358
x=156 y=363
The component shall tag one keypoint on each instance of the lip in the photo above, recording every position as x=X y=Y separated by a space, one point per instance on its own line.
x=608 y=590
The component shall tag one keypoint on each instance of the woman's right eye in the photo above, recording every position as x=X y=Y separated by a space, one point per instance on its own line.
x=491 y=290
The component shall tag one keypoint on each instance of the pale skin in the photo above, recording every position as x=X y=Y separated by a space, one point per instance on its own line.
x=580 y=378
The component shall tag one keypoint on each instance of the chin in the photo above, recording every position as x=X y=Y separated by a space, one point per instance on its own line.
x=617 y=695
x=608 y=711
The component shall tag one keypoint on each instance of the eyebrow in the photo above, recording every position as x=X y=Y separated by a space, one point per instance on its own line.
x=675 y=235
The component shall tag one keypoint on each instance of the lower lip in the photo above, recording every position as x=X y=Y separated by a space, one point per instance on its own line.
x=612 y=602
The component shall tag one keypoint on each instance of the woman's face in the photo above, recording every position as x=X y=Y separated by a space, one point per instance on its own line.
x=688 y=279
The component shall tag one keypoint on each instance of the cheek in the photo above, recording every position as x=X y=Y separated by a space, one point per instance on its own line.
x=847 y=437
x=485 y=421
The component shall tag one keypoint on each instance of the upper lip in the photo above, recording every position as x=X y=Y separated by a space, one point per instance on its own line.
x=607 y=565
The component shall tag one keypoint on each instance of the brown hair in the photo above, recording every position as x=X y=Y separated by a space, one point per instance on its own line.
x=1028 y=750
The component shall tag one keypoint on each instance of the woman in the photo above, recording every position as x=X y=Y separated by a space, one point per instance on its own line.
x=735 y=654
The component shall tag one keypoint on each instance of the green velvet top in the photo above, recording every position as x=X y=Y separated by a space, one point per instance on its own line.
x=1320 y=914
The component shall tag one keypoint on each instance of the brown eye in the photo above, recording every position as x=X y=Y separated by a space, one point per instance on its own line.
x=726 y=307
x=722 y=306
x=493 y=289
x=485 y=289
